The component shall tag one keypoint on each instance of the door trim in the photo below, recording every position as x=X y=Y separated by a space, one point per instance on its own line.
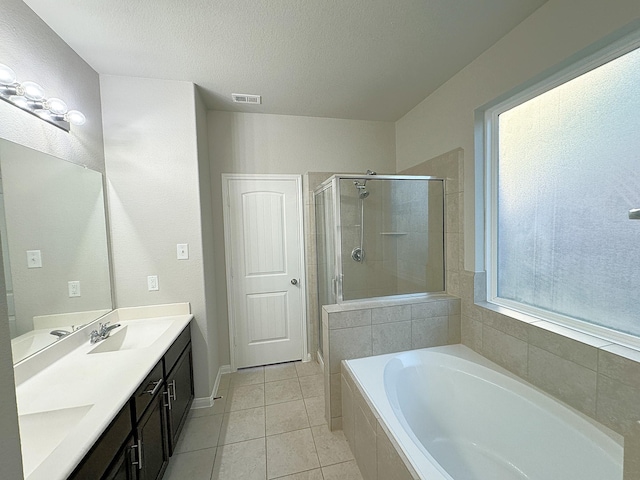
x=226 y=178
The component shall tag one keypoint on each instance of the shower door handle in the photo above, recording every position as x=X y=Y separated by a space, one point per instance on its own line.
x=294 y=281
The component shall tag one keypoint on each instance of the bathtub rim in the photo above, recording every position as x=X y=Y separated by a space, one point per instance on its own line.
x=402 y=440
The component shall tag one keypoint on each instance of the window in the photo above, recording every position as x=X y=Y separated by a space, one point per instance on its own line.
x=563 y=173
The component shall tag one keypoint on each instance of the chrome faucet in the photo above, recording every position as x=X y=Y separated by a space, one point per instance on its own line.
x=60 y=333
x=103 y=332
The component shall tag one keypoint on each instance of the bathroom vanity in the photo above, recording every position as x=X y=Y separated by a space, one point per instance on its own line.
x=109 y=410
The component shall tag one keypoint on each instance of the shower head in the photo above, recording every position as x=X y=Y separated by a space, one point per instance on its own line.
x=362 y=189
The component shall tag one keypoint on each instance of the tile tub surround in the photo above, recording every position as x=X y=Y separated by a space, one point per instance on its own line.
x=99 y=383
x=595 y=376
x=366 y=328
x=270 y=437
x=376 y=452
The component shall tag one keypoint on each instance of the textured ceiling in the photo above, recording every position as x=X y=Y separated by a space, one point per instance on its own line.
x=360 y=59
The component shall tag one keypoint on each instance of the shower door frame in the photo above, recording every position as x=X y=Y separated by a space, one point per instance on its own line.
x=334 y=181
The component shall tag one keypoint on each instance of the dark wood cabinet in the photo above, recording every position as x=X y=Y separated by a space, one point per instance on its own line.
x=123 y=467
x=151 y=438
x=138 y=443
x=107 y=449
x=147 y=391
x=179 y=396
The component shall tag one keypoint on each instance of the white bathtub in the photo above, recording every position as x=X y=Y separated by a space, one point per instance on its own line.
x=458 y=416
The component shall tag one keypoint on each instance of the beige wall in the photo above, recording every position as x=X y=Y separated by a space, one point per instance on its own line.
x=151 y=152
x=206 y=219
x=445 y=120
x=258 y=143
x=36 y=53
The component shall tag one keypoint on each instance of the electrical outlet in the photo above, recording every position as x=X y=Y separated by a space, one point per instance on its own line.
x=74 y=288
x=152 y=283
x=183 y=251
x=34 y=259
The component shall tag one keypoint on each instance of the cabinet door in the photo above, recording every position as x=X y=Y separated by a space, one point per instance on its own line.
x=122 y=468
x=98 y=461
x=180 y=396
x=151 y=437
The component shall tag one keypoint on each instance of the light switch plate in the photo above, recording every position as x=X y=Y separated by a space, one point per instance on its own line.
x=34 y=259
x=183 y=251
x=152 y=283
x=74 y=288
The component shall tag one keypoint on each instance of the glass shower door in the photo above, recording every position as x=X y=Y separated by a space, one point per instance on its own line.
x=391 y=236
x=326 y=252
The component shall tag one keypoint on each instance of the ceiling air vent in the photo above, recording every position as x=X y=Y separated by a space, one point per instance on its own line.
x=243 y=98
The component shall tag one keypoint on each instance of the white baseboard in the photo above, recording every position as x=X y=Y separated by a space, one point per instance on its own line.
x=206 y=402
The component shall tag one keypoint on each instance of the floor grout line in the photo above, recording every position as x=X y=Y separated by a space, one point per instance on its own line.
x=264 y=437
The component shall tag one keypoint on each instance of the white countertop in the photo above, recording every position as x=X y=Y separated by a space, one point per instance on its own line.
x=87 y=390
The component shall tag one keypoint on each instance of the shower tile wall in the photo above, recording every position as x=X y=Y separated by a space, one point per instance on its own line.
x=375 y=276
x=449 y=166
x=402 y=239
x=419 y=252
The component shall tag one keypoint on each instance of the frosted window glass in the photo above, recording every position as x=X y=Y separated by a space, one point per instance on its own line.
x=568 y=173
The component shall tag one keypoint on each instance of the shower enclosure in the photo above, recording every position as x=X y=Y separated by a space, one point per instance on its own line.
x=378 y=235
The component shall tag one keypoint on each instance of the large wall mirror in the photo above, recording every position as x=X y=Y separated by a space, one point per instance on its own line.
x=54 y=247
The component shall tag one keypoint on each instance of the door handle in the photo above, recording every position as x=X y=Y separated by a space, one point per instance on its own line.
x=294 y=281
x=172 y=385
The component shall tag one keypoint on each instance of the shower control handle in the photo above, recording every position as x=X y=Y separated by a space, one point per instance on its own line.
x=294 y=281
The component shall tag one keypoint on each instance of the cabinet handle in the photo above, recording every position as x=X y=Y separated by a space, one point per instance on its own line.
x=139 y=447
x=156 y=387
x=168 y=404
x=172 y=395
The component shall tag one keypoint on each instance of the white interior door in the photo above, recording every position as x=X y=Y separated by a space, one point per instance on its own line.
x=263 y=234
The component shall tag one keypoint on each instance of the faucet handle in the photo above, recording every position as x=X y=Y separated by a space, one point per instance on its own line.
x=94 y=336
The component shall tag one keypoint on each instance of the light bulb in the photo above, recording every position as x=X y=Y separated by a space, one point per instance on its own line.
x=19 y=101
x=56 y=106
x=32 y=90
x=74 y=117
x=7 y=76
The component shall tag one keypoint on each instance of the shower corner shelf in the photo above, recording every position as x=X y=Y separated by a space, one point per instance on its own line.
x=394 y=233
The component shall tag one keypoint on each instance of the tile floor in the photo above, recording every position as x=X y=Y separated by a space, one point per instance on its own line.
x=269 y=425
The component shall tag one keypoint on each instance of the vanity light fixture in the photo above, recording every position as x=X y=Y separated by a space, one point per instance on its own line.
x=29 y=96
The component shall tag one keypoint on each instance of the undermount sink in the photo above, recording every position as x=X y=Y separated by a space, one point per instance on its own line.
x=134 y=335
x=42 y=432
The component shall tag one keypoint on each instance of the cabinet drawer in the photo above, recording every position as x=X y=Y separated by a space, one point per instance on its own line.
x=148 y=390
x=95 y=463
x=173 y=354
